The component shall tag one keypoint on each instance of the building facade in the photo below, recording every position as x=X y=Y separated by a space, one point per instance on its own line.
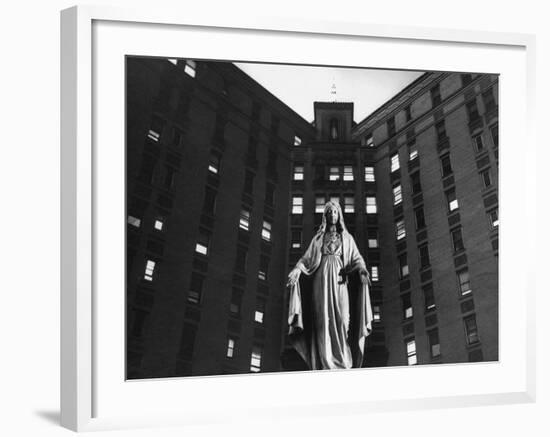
x=225 y=184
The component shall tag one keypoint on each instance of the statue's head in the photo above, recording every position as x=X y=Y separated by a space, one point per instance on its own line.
x=332 y=215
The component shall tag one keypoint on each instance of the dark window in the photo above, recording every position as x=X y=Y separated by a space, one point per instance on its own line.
x=424 y=256
x=429 y=300
x=240 y=262
x=435 y=94
x=415 y=183
x=478 y=142
x=494 y=134
x=269 y=193
x=209 y=200
x=275 y=123
x=177 y=136
x=252 y=147
x=334 y=134
x=466 y=79
x=486 y=178
x=463 y=277
x=248 y=182
x=408 y=115
x=264 y=266
x=440 y=130
x=187 y=343
x=446 y=165
x=420 y=219
x=433 y=339
x=195 y=290
x=391 y=126
x=489 y=99
x=470 y=326
x=147 y=169
x=407 y=306
x=458 y=244
x=471 y=108
x=256 y=109
x=272 y=162
x=236 y=302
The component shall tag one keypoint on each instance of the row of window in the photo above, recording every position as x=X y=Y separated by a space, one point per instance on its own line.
x=255 y=356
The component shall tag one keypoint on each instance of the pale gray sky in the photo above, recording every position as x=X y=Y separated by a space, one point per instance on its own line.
x=300 y=86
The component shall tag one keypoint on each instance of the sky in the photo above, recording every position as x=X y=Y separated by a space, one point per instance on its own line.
x=300 y=86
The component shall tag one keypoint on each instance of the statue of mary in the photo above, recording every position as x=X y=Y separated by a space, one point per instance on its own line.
x=321 y=327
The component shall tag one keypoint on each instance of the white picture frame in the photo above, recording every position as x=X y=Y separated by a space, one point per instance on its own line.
x=92 y=394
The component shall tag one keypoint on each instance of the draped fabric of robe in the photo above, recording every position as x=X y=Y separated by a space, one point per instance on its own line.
x=328 y=345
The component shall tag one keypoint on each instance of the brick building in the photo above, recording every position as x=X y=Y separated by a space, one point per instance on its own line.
x=224 y=183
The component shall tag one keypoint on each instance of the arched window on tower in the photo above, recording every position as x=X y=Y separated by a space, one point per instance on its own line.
x=334 y=134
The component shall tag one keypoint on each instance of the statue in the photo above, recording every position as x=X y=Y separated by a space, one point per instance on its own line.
x=327 y=335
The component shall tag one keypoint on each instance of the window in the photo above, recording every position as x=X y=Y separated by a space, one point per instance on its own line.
x=372 y=239
x=297 y=140
x=349 y=204
x=374 y=273
x=400 y=229
x=209 y=206
x=408 y=115
x=369 y=141
x=493 y=218
x=452 y=202
x=157 y=125
x=486 y=178
x=187 y=344
x=424 y=256
x=173 y=61
x=177 y=136
x=429 y=300
x=190 y=68
x=169 y=177
x=494 y=134
x=266 y=231
x=348 y=173
x=236 y=301
x=256 y=359
x=466 y=79
x=488 y=99
x=470 y=326
x=413 y=151
x=391 y=126
x=371 y=205
x=403 y=266
x=298 y=173
x=214 y=163
x=333 y=129
x=397 y=195
x=248 y=182
x=297 y=204
x=394 y=163
x=134 y=221
x=244 y=219
x=264 y=265
x=158 y=224
x=230 y=348
x=478 y=142
x=320 y=204
x=446 y=168
x=269 y=193
x=195 y=290
x=419 y=218
x=463 y=277
x=433 y=340
x=240 y=261
x=411 y=352
x=415 y=183
x=252 y=147
x=369 y=174
x=471 y=108
x=440 y=131
x=376 y=313
x=149 y=270
x=334 y=174
x=260 y=311
x=296 y=239
x=202 y=243
x=435 y=94
x=407 y=306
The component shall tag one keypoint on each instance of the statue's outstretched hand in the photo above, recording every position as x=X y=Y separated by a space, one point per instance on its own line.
x=365 y=277
x=293 y=276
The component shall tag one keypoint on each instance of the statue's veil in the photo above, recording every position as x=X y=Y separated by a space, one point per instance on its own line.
x=340 y=223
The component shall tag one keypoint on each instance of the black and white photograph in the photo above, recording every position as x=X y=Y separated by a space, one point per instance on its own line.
x=301 y=217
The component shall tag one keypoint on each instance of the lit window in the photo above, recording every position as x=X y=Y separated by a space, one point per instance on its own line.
x=230 y=347
x=394 y=162
x=371 y=205
x=297 y=141
x=376 y=313
x=464 y=282
x=400 y=229
x=266 y=231
x=297 y=205
x=264 y=265
x=407 y=306
x=493 y=218
x=411 y=352
x=429 y=300
x=153 y=135
x=403 y=266
x=397 y=195
x=190 y=67
x=202 y=244
x=260 y=311
x=173 y=61
x=259 y=317
x=349 y=204
x=458 y=244
x=369 y=174
x=413 y=151
x=372 y=239
x=486 y=178
x=446 y=168
x=244 y=219
x=319 y=204
x=369 y=141
x=159 y=224
x=134 y=221
x=214 y=163
x=470 y=326
x=298 y=172
x=348 y=173
x=374 y=273
x=452 y=201
x=296 y=239
x=334 y=174
x=195 y=291
x=478 y=142
x=256 y=359
x=149 y=270
x=433 y=339
x=424 y=256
